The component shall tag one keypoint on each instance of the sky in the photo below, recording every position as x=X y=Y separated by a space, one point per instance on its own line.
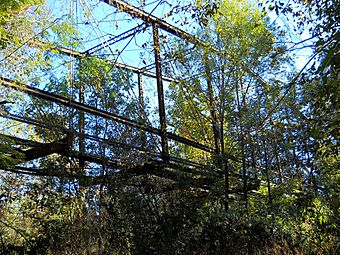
x=95 y=19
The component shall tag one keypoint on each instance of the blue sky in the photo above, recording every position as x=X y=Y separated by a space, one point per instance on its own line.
x=95 y=19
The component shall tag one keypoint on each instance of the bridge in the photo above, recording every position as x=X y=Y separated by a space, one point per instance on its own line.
x=146 y=149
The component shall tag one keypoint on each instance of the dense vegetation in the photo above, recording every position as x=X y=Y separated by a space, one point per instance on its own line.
x=272 y=184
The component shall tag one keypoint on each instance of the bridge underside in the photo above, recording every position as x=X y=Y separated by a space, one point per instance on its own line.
x=130 y=160
x=178 y=173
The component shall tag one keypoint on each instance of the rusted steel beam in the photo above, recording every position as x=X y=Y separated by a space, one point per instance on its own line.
x=81 y=122
x=118 y=38
x=97 y=112
x=79 y=106
x=141 y=108
x=160 y=93
x=192 y=167
x=57 y=49
x=154 y=169
x=176 y=163
x=151 y=19
x=78 y=54
x=186 y=181
x=152 y=154
x=74 y=133
x=174 y=137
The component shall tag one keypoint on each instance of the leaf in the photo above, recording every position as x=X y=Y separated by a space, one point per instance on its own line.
x=326 y=61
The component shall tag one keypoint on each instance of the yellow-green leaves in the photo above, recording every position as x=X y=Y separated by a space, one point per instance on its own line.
x=242 y=30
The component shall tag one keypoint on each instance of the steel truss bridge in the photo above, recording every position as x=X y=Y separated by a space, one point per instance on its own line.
x=148 y=161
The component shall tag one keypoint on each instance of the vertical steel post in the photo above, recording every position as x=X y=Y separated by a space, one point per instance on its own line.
x=160 y=92
x=81 y=123
x=141 y=108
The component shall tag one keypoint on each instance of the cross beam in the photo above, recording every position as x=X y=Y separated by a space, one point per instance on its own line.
x=117 y=38
x=78 y=54
x=95 y=111
x=151 y=19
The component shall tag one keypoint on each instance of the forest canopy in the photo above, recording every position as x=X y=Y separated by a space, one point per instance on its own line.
x=169 y=127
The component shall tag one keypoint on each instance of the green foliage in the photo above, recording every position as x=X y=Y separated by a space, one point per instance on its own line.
x=8 y=9
x=9 y=157
x=12 y=6
x=280 y=155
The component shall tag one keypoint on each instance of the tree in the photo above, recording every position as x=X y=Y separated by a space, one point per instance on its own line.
x=219 y=104
x=93 y=185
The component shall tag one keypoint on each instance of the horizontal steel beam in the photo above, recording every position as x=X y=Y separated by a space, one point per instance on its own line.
x=79 y=106
x=97 y=112
x=109 y=142
x=118 y=38
x=78 y=54
x=149 y=18
x=186 y=181
x=175 y=161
